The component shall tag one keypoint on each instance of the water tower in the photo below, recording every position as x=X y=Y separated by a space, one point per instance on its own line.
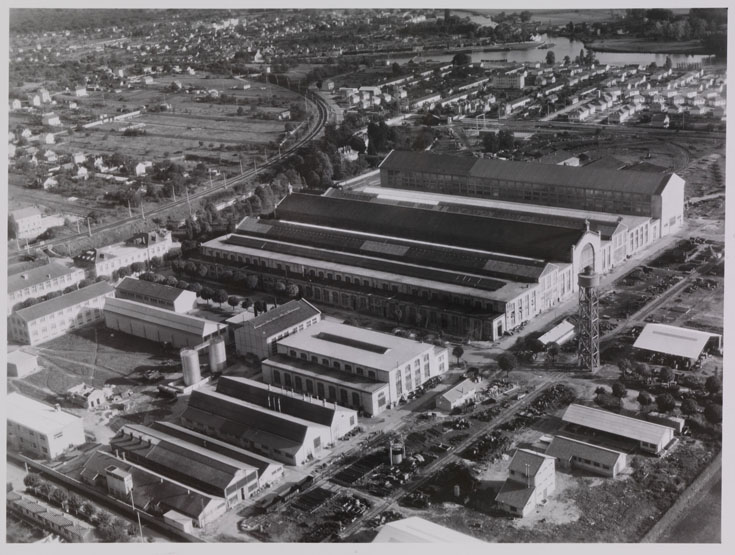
x=588 y=350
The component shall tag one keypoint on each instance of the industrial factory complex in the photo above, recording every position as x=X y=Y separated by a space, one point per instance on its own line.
x=466 y=246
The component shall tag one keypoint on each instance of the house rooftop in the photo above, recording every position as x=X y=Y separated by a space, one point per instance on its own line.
x=39 y=274
x=22 y=213
x=673 y=340
x=282 y=317
x=150 y=289
x=37 y=416
x=564 y=448
x=64 y=301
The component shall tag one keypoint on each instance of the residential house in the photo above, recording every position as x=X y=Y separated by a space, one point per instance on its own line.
x=530 y=481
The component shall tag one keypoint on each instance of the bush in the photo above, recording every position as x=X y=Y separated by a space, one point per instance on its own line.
x=665 y=402
x=618 y=390
x=644 y=398
x=713 y=413
x=689 y=407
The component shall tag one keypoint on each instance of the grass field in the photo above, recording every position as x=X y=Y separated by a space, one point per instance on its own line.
x=190 y=127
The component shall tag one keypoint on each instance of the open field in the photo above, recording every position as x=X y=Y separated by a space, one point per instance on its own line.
x=632 y=44
x=187 y=126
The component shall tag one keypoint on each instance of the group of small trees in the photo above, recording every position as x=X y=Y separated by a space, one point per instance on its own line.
x=111 y=529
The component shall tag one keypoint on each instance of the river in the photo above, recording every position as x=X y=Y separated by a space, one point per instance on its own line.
x=566 y=47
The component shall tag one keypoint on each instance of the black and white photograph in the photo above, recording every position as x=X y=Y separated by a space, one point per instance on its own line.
x=366 y=274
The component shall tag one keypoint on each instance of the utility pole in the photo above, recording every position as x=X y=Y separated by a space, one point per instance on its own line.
x=142 y=211
x=188 y=201
x=89 y=228
x=224 y=180
x=241 y=172
x=79 y=230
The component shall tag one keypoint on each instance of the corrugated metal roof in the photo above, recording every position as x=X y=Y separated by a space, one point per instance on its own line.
x=150 y=289
x=247 y=415
x=161 y=317
x=529 y=239
x=288 y=402
x=39 y=274
x=425 y=162
x=672 y=340
x=45 y=308
x=585 y=177
x=282 y=317
x=617 y=424
x=565 y=448
x=262 y=464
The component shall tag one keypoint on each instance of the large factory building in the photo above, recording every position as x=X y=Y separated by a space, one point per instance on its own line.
x=354 y=367
x=652 y=195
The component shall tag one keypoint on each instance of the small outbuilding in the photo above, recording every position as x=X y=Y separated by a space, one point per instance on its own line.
x=21 y=364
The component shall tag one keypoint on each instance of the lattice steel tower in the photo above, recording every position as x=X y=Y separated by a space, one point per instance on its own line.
x=588 y=349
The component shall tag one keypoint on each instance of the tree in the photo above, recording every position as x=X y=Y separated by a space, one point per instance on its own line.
x=252 y=281
x=246 y=303
x=196 y=287
x=567 y=60
x=103 y=519
x=220 y=296
x=123 y=272
x=490 y=142
x=457 y=352
x=666 y=375
x=292 y=290
x=525 y=16
x=550 y=58
x=206 y=293
x=59 y=497
x=202 y=270
x=32 y=480
x=552 y=351
x=461 y=59
x=171 y=281
x=713 y=413
x=689 y=407
x=618 y=389
x=280 y=287
x=181 y=284
x=88 y=510
x=507 y=362
x=600 y=391
x=74 y=503
x=668 y=64
x=644 y=399
x=713 y=385
x=665 y=402
x=232 y=301
x=137 y=267
x=643 y=371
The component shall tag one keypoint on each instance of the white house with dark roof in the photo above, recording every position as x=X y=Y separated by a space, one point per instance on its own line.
x=573 y=453
x=40 y=281
x=531 y=479
x=28 y=222
x=55 y=317
x=156 y=294
x=459 y=395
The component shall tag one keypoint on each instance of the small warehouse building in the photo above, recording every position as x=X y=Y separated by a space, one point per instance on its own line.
x=461 y=394
x=258 y=335
x=158 y=324
x=269 y=471
x=340 y=420
x=559 y=334
x=206 y=470
x=40 y=429
x=156 y=294
x=531 y=479
x=590 y=421
x=418 y=530
x=21 y=364
x=572 y=453
x=274 y=434
x=154 y=492
x=675 y=346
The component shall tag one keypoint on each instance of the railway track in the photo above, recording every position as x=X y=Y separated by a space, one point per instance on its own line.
x=321 y=119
